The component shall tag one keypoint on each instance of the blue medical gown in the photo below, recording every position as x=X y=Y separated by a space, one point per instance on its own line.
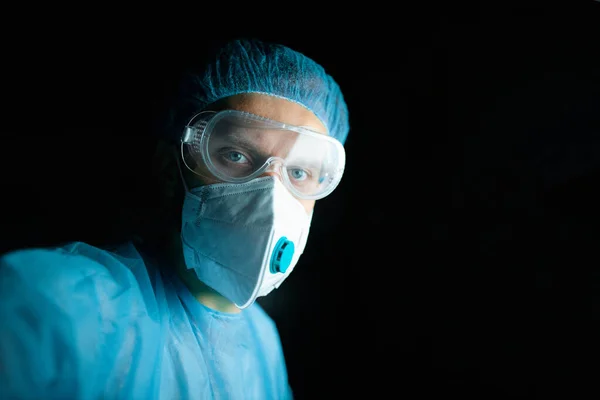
x=79 y=322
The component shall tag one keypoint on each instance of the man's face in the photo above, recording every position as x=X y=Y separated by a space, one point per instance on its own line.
x=270 y=107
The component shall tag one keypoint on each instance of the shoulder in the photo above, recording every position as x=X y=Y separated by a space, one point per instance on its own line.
x=75 y=317
x=71 y=262
x=74 y=275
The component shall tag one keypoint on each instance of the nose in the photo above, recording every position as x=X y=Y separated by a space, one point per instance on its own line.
x=274 y=169
x=273 y=173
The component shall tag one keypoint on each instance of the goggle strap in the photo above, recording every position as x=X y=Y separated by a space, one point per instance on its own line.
x=179 y=168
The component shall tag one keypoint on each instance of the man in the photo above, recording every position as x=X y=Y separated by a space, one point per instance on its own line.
x=174 y=316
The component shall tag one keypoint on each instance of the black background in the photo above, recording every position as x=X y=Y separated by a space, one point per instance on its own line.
x=458 y=257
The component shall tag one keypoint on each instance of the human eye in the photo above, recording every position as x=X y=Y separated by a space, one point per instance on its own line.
x=233 y=162
x=298 y=174
x=235 y=157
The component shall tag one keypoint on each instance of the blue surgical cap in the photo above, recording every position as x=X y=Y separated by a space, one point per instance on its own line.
x=253 y=66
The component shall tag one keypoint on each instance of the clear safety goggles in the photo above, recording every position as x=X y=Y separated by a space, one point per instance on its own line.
x=235 y=146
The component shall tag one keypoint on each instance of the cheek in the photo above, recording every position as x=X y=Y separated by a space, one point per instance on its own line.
x=199 y=177
x=308 y=205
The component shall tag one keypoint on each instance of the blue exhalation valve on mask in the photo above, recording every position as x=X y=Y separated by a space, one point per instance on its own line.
x=282 y=255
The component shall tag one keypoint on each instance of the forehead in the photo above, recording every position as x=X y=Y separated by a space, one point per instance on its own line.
x=274 y=108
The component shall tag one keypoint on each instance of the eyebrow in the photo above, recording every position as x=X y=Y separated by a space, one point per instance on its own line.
x=314 y=164
x=242 y=141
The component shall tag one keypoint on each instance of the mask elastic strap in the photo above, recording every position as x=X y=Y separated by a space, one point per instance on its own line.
x=179 y=168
